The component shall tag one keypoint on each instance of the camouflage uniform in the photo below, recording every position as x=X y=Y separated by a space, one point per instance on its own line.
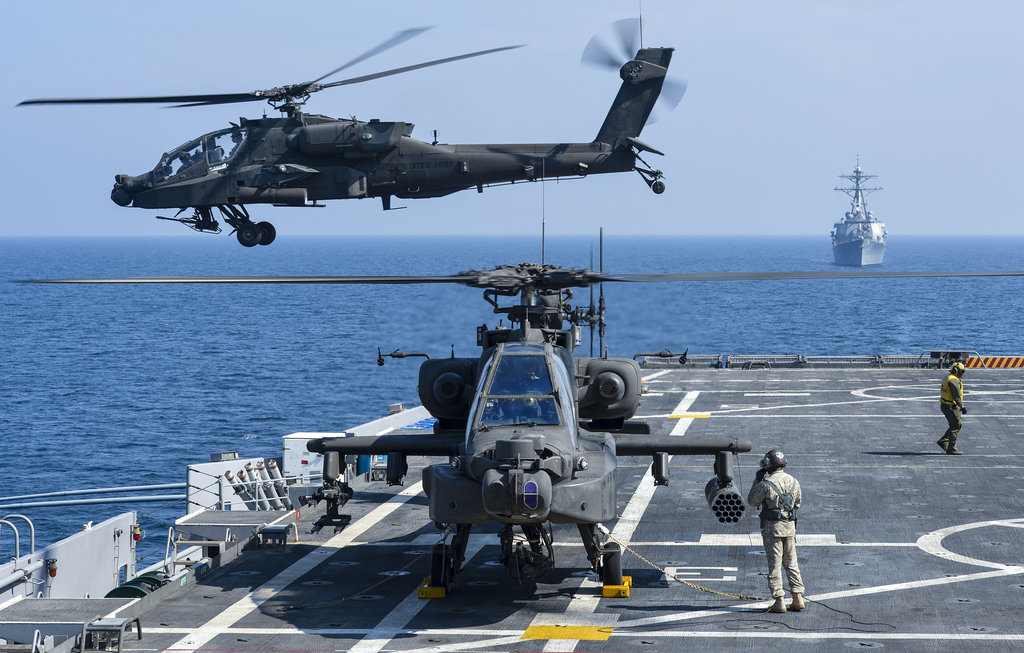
x=951 y=402
x=778 y=536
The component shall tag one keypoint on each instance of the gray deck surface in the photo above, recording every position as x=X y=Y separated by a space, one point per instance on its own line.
x=900 y=545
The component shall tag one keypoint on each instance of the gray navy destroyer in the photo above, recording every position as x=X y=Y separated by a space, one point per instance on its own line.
x=858 y=239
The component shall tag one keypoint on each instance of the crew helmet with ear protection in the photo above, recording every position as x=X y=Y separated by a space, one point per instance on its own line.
x=774 y=459
x=957 y=368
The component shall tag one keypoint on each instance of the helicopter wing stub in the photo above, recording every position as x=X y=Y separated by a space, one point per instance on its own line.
x=627 y=444
x=431 y=444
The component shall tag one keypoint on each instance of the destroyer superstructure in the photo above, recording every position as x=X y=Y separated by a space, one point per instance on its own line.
x=858 y=239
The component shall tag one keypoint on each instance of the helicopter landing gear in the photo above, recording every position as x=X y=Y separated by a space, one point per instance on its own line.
x=605 y=559
x=248 y=233
x=442 y=567
x=446 y=559
x=529 y=556
x=267 y=233
x=652 y=177
x=611 y=564
x=201 y=220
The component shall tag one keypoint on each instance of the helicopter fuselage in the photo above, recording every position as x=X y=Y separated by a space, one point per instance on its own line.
x=304 y=159
x=525 y=459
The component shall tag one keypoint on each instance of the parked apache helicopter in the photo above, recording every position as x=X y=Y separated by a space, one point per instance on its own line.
x=531 y=431
x=300 y=159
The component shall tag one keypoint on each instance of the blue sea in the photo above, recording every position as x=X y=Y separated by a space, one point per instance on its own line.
x=124 y=385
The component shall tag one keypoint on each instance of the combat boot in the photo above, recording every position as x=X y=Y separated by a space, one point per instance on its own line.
x=954 y=452
x=798 y=602
x=779 y=607
x=943 y=444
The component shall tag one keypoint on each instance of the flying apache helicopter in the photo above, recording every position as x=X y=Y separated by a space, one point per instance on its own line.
x=300 y=159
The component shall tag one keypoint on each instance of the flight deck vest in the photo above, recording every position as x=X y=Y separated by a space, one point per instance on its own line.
x=785 y=510
x=946 y=395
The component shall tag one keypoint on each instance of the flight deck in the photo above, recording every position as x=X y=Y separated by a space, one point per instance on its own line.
x=899 y=544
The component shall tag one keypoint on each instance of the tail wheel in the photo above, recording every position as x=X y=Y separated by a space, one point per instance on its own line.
x=249 y=234
x=611 y=567
x=267 y=233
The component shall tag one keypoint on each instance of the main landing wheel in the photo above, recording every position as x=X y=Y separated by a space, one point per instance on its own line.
x=611 y=567
x=441 y=563
x=658 y=187
x=267 y=233
x=249 y=234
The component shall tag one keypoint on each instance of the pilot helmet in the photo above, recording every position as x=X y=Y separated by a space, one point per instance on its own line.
x=957 y=368
x=773 y=460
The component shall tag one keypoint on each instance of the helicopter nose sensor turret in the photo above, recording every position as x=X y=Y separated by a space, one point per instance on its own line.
x=125 y=189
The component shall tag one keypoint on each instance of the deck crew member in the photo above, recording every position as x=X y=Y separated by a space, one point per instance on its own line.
x=951 y=401
x=778 y=495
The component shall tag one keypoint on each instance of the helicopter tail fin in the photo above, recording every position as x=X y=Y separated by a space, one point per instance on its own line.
x=642 y=79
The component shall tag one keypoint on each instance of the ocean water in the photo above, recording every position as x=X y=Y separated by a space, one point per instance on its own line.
x=124 y=385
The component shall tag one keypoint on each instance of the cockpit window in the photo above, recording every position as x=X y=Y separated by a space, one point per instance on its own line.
x=521 y=375
x=223 y=145
x=216 y=148
x=520 y=392
x=509 y=411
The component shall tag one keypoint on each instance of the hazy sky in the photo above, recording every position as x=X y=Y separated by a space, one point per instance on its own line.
x=783 y=96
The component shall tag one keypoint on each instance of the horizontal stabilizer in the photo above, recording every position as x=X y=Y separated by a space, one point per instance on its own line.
x=642 y=146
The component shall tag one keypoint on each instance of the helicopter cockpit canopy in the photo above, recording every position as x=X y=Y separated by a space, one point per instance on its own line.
x=519 y=390
x=216 y=149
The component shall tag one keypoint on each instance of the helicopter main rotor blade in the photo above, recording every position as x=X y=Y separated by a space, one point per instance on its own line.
x=405 y=69
x=353 y=280
x=549 y=279
x=399 y=37
x=794 y=275
x=215 y=98
x=273 y=94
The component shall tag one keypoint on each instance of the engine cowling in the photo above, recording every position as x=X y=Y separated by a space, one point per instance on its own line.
x=613 y=388
x=446 y=387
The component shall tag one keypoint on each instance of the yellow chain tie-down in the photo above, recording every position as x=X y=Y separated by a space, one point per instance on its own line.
x=626 y=547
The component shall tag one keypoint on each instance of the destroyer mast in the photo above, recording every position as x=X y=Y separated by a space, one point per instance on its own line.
x=858 y=239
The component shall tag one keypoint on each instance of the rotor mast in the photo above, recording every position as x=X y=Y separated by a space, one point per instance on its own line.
x=858 y=193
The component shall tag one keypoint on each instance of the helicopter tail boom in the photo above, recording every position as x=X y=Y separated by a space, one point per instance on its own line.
x=642 y=80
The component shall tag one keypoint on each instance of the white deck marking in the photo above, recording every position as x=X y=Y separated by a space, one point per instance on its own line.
x=929 y=543
x=582 y=605
x=238 y=610
x=776 y=394
x=647 y=378
x=684 y=423
x=395 y=621
x=506 y=637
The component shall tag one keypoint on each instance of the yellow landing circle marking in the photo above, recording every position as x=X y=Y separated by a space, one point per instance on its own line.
x=690 y=415
x=594 y=633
